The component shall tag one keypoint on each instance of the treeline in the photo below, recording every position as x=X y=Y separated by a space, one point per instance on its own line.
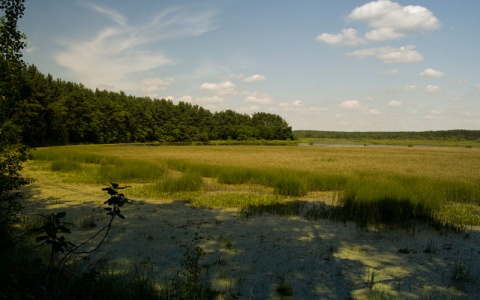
x=456 y=134
x=56 y=112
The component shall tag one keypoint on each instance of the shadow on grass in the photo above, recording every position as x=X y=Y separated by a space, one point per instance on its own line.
x=257 y=254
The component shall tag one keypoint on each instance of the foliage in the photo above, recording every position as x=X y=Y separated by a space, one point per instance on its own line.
x=11 y=158
x=51 y=233
x=456 y=134
x=56 y=112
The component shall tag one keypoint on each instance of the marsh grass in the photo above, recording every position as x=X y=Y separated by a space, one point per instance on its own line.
x=130 y=171
x=377 y=185
x=234 y=200
x=460 y=272
x=99 y=169
x=371 y=198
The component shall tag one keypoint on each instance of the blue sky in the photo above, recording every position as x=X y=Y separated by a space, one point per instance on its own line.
x=349 y=65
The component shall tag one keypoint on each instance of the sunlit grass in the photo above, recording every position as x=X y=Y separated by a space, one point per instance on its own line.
x=388 y=184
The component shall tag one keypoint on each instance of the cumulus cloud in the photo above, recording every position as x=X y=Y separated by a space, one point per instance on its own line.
x=256 y=77
x=432 y=89
x=258 y=98
x=113 y=54
x=222 y=88
x=351 y=104
x=431 y=73
x=345 y=37
x=391 y=20
x=388 y=21
x=395 y=103
x=390 y=55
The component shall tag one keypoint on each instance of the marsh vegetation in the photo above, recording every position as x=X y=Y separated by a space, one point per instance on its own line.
x=369 y=185
x=202 y=201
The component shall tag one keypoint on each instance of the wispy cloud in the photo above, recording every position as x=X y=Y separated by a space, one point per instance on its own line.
x=115 y=53
x=110 y=13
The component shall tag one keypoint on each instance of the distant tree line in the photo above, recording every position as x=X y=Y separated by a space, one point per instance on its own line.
x=51 y=111
x=456 y=134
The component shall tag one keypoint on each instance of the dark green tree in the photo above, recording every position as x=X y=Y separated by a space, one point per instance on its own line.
x=12 y=153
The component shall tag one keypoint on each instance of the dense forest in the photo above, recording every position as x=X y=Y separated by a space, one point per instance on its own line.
x=55 y=112
x=457 y=134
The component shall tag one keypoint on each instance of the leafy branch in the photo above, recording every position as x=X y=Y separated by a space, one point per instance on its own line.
x=54 y=228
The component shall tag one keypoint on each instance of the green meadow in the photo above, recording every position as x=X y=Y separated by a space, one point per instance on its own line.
x=369 y=185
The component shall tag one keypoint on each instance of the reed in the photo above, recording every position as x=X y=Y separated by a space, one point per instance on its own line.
x=388 y=184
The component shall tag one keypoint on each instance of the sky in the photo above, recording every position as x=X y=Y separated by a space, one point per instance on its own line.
x=349 y=65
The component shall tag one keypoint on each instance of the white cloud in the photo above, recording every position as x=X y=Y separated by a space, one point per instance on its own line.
x=155 y=84
x=373 y=111
x=351 y=104
x=112 y=14
x=256 y=77
x=258 y=98
x=390 y=55
x=345 y=37
x=186 y=99
x=431 y=73
x=391 y=72
x=395 y=103
x=222 y=88
x=114 y=54
x=432 y=89
x=382 y=34
x=390 y=20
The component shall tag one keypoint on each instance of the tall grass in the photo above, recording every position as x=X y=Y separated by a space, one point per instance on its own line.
x=129 y=171
x=99 y=169
x=390 y=184
x=390 y=199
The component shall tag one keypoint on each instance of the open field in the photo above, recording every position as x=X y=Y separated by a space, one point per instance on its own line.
x=314 y=247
